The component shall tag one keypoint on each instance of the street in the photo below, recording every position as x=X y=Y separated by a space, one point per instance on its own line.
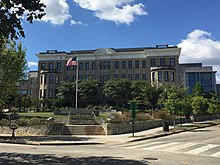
x=201 y=146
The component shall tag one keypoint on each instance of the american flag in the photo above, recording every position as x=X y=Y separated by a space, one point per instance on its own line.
x=71 y=62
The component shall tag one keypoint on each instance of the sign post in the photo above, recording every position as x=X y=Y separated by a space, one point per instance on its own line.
x=133 y=107
x=13 y=123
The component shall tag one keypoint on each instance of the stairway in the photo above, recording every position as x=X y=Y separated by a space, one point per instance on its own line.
x=84 y=130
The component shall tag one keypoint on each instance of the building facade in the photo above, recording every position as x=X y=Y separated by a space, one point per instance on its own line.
x=192 y=73
x=158 y=65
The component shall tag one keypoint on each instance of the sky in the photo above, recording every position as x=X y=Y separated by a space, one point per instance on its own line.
x=70 y=25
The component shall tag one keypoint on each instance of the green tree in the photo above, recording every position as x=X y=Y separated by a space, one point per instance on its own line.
x=198 y=90
x=12 y=69
x=199 y=105
x=213 y=104
x=66 y=95
x=117 y=91
x=138 y=90
x=89 y=91
x=11 y=13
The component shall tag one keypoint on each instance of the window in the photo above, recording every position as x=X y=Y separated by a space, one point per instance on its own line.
x=136 y=64
x=30 y=91
x=93 y=77
x=116 y=76
x=104 y=65
x=41 y=94
x=172 y=62
x=87 y=65
x=172 y=76
x=68 y=78
x=130 y=76
x=144 y=77
x=100 y=65
x=108 y=64
x=45 y=79
x=137 y=76
x=116 y=64
x=74 y=78
x=68 y=68
x=41 y=79
x=43 y=66
x=57 y=79
x=32 y=81
x=80 y=77
x=45 y=93
x=80 y=66
x=123 y=76
x=51 y=79
x=104 y=78
x=86 y=77
x=74 y=67
x=123 y=65
x=153 y=76
x=50 y=93
x=58 y=65
x=159 y=76
x=130 y=64
x=166 y=76
x=152 y=62
x=162 y=62
x=93 y=65
x=109 y=76
x=144 y=64
x=50 y=65
x=100 y=79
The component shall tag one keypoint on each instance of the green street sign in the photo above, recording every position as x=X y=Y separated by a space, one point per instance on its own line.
x=133 y=107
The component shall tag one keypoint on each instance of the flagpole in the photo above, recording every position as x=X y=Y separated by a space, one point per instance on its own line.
x=77 y=75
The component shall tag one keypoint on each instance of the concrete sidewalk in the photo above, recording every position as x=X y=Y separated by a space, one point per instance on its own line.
x=94 y=139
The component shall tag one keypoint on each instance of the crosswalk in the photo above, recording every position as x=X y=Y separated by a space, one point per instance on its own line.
x=192 y=148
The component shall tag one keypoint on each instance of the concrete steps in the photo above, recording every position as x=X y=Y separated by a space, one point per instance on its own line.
x=83 y=130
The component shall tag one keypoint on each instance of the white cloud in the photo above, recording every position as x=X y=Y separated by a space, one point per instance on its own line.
x=200 y=46
x=118 y=11
x=32 y=64
x=57 y=11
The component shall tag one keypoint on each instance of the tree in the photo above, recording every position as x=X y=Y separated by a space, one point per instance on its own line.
x=199 y=105
x=118 y=91
x=66 y=95
x=88 y=91
x=11 y=13
x=213 y=103
x=12 y=69
x=198 y=90
x=138 y=89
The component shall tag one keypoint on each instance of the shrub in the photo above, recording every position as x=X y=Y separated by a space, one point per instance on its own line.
x=141 y=116
x=90 y=106
x=4 y=122
x=161 y=114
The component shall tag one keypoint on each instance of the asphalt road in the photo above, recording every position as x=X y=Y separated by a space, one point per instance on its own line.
x=201 y=146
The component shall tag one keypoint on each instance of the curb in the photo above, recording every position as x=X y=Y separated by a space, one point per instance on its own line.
x=169 y=133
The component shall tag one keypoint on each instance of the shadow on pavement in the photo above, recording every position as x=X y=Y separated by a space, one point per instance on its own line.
x=22 y=159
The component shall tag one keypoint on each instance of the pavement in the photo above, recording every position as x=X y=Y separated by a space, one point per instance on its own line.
x=101 y=139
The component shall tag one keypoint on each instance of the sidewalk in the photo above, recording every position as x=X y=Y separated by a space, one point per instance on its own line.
x=96 y=139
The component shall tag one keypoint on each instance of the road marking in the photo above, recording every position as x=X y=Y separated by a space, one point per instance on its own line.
x=160 y=146
x=175 y=148
x=201 y=149
x=143 y=145
x=217 y=154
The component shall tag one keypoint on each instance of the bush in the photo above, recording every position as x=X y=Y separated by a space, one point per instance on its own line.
x=141 y=116
x=161 y=114
x=30 y=121
x=90 y=106
x=4 y=122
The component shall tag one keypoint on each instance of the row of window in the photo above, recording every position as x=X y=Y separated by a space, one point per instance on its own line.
x=43 y=93
x=118 y=64
x=168 y=76
x=44 y=79
x=105 y=77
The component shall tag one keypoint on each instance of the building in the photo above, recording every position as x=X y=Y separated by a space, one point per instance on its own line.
x=157 y=65
x=190 y=74
x=153 y=64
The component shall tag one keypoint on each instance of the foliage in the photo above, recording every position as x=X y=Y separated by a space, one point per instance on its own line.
x=4 y=122
x=199 y=105
x=66 y=95
x=118 y=91
x=12 y=69
x=161 y=114
x=152 y=95
x=11 y=13
x=31 y=121
x=198 y=90
x=214 y=106
x=138 y=89
x=88 y=90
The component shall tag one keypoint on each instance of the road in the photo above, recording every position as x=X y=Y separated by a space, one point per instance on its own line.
x=201 y=146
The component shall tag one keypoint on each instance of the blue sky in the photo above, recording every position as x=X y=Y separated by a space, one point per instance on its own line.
x=69 y=25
